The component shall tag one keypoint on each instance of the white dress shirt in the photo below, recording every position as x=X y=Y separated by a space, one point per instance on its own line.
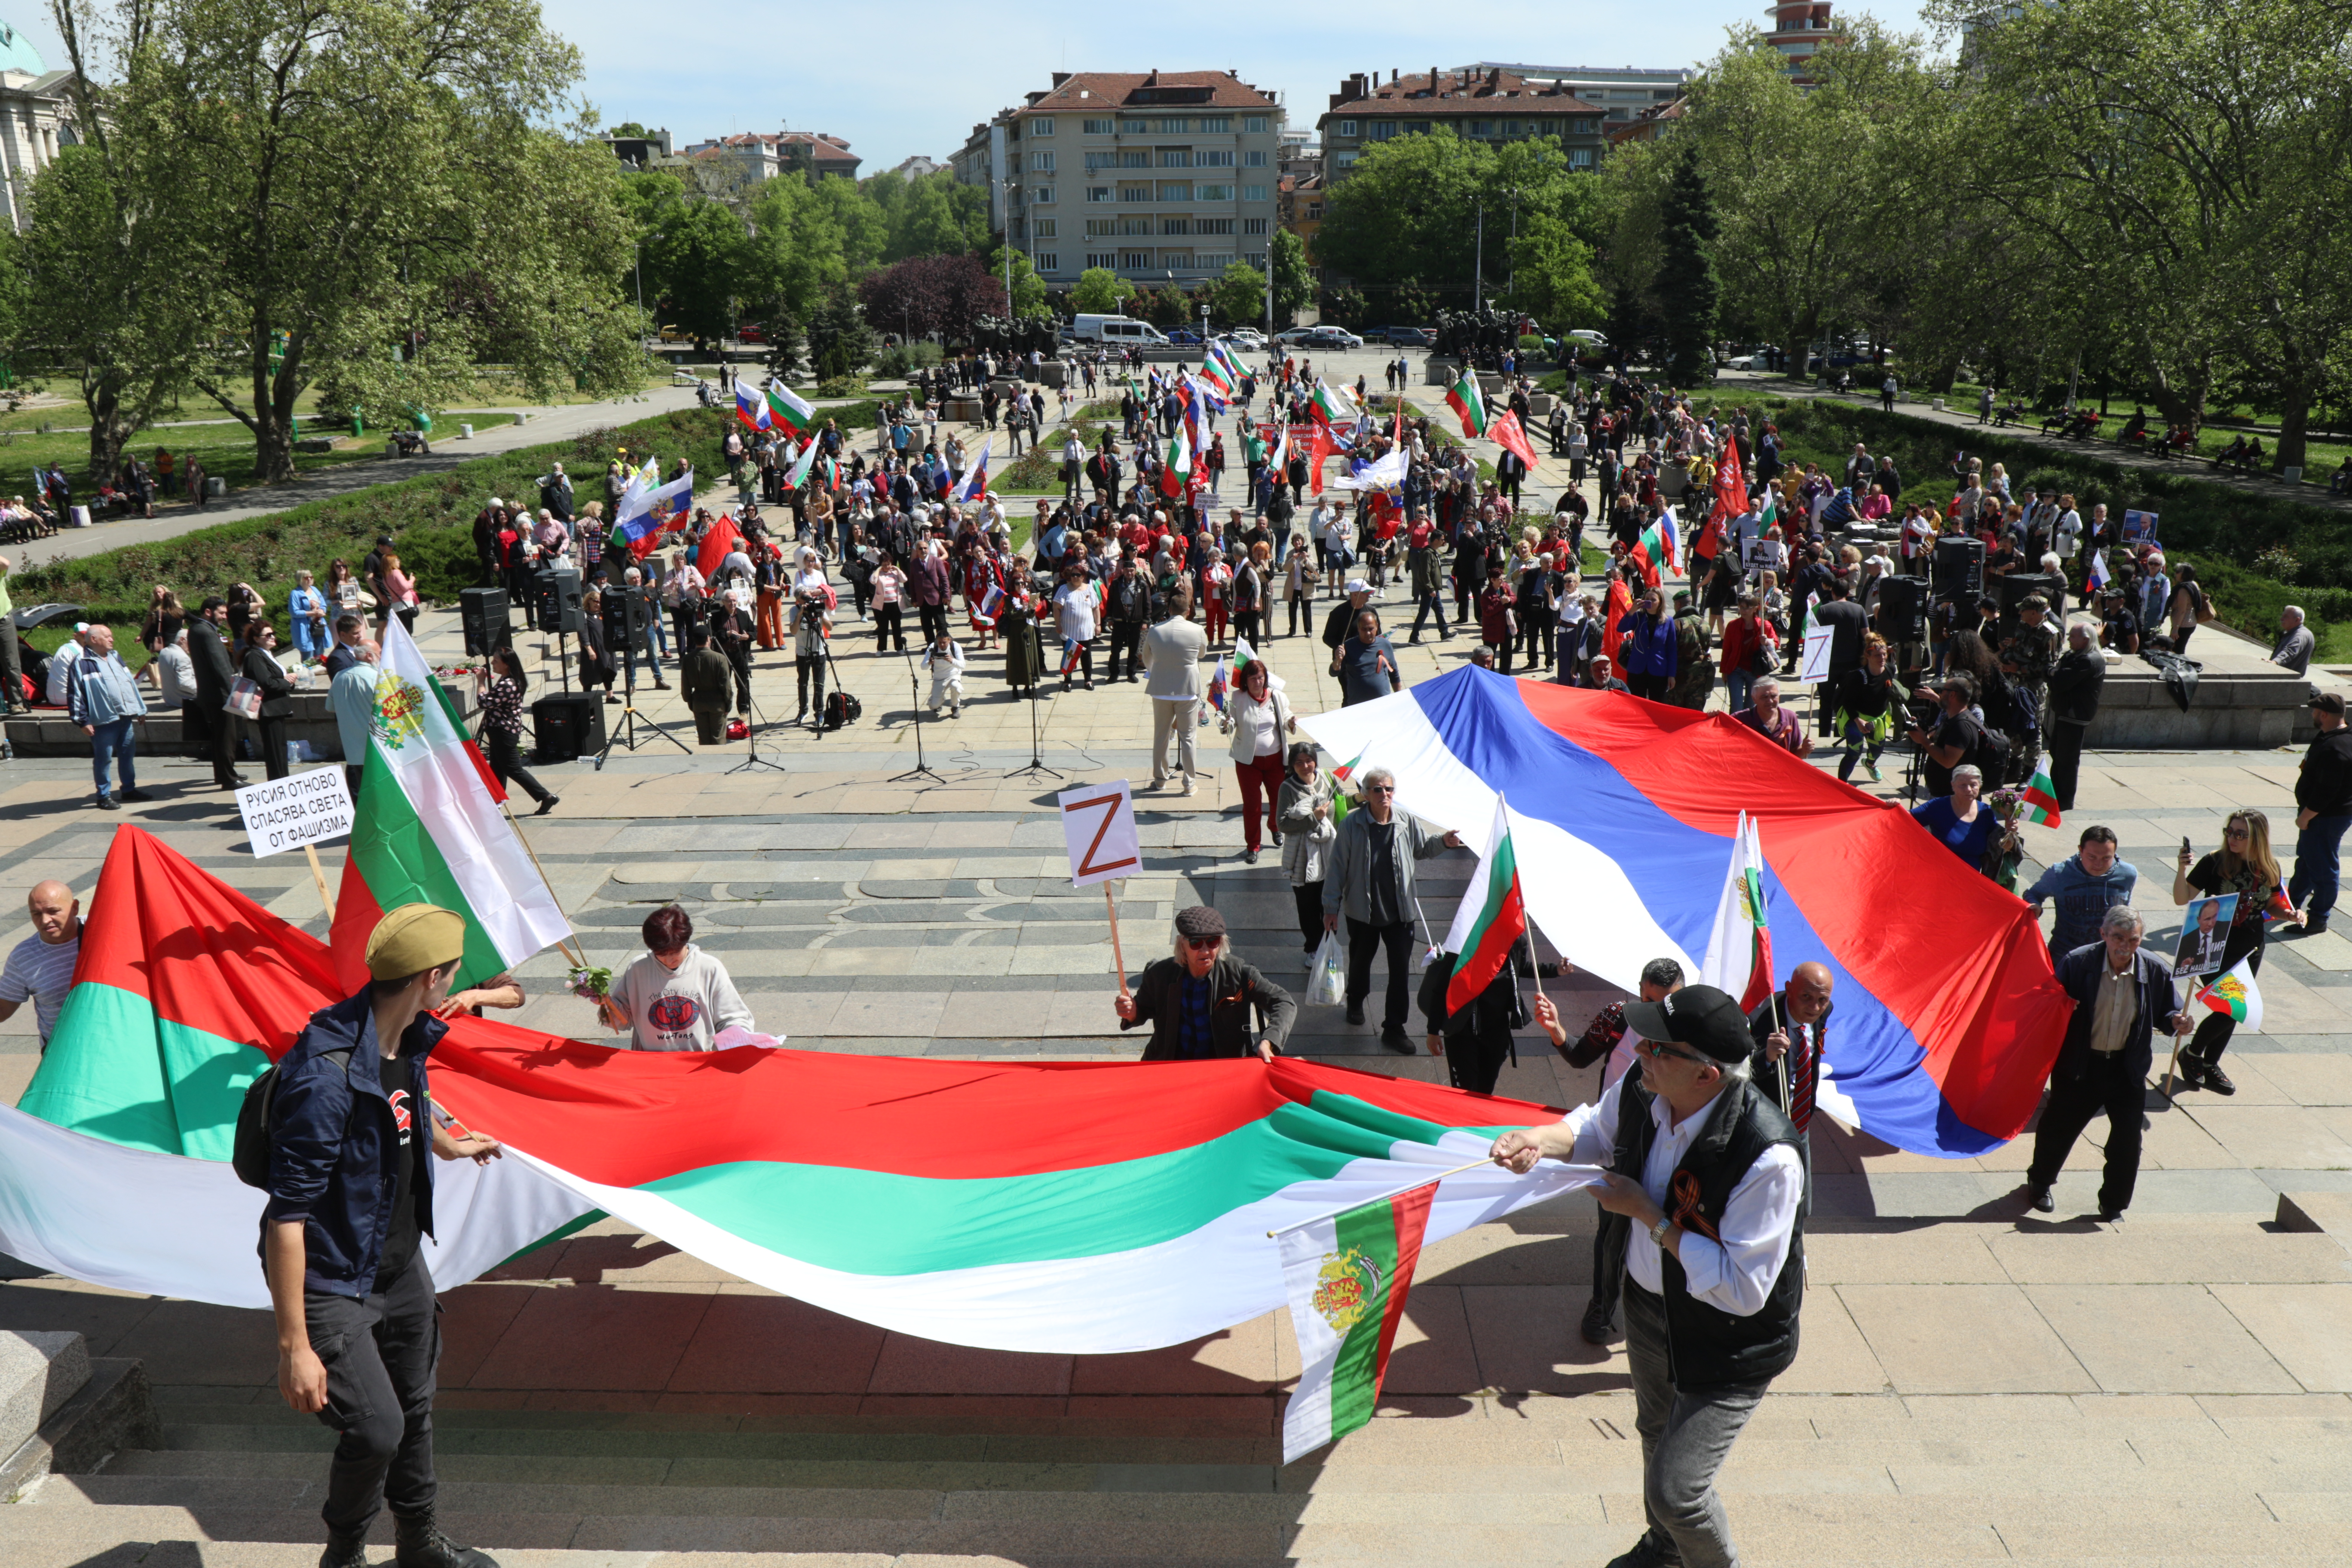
x=1734 y=1274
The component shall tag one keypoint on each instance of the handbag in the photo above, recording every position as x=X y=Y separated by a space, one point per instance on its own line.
x=244 y=699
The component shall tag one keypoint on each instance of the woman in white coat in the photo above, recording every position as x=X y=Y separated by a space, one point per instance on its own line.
x=1258 y=716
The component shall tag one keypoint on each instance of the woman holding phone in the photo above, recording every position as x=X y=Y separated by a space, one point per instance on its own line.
x=2245 y=866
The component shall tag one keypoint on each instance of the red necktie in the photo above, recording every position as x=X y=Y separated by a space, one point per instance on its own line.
x=1801 y=1085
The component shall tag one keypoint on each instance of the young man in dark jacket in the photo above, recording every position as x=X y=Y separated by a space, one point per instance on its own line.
x=1204 y=1002
x=215 y=673
x=2075 y=686
x=2323 y=799
x=351 y=1198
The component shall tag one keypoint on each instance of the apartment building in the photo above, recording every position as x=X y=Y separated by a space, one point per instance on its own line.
x=1159 y=177
x=1621 y=94
x=1485 y=105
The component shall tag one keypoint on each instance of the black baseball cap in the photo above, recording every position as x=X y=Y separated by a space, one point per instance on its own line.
x=1697 y=1016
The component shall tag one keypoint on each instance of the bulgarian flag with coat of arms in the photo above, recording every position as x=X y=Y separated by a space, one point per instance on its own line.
x=1349 y=1275
x=789 y=411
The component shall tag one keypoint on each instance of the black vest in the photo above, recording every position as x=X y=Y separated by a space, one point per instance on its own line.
x=1704 y=1344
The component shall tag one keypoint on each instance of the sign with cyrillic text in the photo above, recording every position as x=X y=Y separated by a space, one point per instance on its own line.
x=299 y=809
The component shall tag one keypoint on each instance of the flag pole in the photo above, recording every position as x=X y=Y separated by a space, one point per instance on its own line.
x=1416 y=1183
x=318 y=875
x=1110 y=907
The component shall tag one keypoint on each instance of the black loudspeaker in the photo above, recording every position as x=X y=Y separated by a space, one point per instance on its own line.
x=557 y=597
x=483 y=613
x=1958 y=569
x=1903 y=609
x=2014 y=589
x=628 y=618
x=568 y=725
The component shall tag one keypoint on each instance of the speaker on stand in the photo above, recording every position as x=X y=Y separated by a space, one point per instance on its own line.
x=1957 y=569
x=483 y=614
x=555 y=607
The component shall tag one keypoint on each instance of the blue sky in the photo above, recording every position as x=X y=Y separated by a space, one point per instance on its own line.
x=892 y=82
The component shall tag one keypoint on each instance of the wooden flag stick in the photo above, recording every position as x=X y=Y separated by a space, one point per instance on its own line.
x=1409 y=1186
x=1110 y=907
x=318 y=875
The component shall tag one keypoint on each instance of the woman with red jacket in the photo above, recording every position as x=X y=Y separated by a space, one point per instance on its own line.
x=1750 y=649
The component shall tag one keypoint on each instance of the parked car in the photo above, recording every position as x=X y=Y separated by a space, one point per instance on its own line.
x=1333 y=338
x=1184 y=336
x=751 y=333
x=1245 y=337
x=675 y=335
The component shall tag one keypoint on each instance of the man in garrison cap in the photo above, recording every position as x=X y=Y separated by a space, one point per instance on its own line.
x=350 y=1199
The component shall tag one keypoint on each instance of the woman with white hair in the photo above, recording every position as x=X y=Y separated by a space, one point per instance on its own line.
x=1960 y=821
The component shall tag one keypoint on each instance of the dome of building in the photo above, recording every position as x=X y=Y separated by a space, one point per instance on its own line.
x=18 y=54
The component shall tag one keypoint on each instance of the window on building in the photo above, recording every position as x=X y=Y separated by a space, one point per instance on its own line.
x=1208 y=193
x=1214 y=158
x=1347 y=160
x=1579 y=157
x=1584 y=128
x=1041 y=194
x=1212 y=260
x=1253 y=226
x=1174 y=126
x=1253 y=159
x=1048 y=262
x=1135 y=260
x=1097 y=127
x=1383 y=129
x=1042 y=126
x=1135 y=158
x=1217 y=125
x=1314 y=211
x=1175 y=225
x=1135 y=225
x=1257 y=192
x=1041 y=163
x=1097 y=192
x=1175 y=157
x=1102 y=161
x=1213 y=225
x=1254 y=124
x=1176 y=260
x=1108 y=260
x=1134 y=127
x=1347 y=128
x=1173 y=192
x=1101 y=228
x=1135 y=192
x=1482 y=128
x=1043 y=228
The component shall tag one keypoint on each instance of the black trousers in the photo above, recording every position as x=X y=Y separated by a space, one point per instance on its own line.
x=2104 y=1087
x=739 y=656
x=935 y=622
x=504 y=753
x=2212 y=1037
x=1474 y=1059
x=1127 y=636
x=2065 y=760
x=381 y=1354
x=220 y=738
x=810 y=670
x=1308 y=896
x=1609 y=1262
x=1364 y=939
x=890 y=621
x=1430 y=603
x=353 y=773
x=273 y=746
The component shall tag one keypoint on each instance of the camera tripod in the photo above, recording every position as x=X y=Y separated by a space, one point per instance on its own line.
x=624 y=734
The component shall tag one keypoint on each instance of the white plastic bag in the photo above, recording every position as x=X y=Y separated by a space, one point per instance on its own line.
x=1329 y=988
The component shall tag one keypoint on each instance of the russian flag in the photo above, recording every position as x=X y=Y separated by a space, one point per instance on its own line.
x=1220 y=682
x=1625 y=816
x=651 y=513
x=975 y=478
x=751 y=407
x=2099 y=577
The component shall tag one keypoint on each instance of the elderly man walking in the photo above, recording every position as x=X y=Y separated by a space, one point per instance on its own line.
x=1370 y=881
x=103 y=699
x=1171 y=668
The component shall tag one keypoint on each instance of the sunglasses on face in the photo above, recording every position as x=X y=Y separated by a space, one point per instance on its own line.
x=1202 y=943
x=1379 y=789
x=2237 y=833
x=1653 y=1048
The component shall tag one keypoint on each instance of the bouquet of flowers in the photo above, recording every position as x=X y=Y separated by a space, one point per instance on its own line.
x=592 y=984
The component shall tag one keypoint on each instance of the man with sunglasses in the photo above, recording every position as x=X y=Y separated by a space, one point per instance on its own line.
x=1202 y=1002
x=1706 y=1167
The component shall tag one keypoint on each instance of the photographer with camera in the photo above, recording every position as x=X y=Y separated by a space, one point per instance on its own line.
x=811 y=624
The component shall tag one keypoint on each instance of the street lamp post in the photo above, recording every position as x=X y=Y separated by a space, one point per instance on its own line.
x=1269 y=292
x=1478 y=282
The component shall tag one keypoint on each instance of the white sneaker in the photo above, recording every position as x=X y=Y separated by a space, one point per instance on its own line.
x=1188 y=785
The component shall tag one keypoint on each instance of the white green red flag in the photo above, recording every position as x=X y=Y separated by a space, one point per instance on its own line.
x=1465 y=399
x=1739 y=952
x=2041 y=799
x=428 y=828
x=1348 y=1276
x=1119 y=1206
x=2232 y=994
x=1333 y=404
x=799 y=476
x=1221 y=381
x=789 y=411
x=1654 y=551
x=1178 y=468
x=1490 y=919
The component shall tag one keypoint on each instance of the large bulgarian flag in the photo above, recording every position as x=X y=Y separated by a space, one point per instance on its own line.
x=1654 y=551
x=1178 y=469
x=1464 y=398
x=1068 y=1207
x=1347 y=1275
x=789 y=411
x=430 y=828
x=1490 y=919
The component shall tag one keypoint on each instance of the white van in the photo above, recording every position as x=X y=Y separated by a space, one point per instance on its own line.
x=1121 y=330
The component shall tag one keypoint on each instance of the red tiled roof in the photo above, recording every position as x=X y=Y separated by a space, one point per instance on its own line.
x=1466 y=93
x=1121 y=89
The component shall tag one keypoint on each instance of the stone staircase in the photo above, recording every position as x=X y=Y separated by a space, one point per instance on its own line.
x=1847 y=1480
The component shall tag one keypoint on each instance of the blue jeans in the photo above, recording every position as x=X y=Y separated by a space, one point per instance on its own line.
x=108 y=743
x=2317 y=863
x=1736 y=688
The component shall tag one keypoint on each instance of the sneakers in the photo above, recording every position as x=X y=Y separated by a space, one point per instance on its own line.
x=1307 y=961
x=1188 y=784
x=2217 y=1081
x=1650 y=1552
x=1872 y=766
x=106 y=803
x=419 y=1543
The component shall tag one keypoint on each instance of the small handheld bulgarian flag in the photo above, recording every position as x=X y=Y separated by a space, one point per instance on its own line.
x=789 y=411
x=1333 y=404
x=2041 y=799
x=1464 y=398
x=1490 y=919
x=2232 y=994
x=1349 y=1276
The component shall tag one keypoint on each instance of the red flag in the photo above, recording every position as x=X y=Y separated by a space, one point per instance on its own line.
x=1730 y=486
x=1320 y=446
x=723 y=536
x=1504 y=430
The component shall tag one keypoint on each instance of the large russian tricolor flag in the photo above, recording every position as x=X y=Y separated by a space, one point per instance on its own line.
x=1946 y=1017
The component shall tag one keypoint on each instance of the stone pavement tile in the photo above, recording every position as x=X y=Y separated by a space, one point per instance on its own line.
x=2172 y=1140
x=911 y=1365
x=2329 y=950
x=193 y=1342
x=2273 y=1137
x=1963 y=1338
x=2307 y=1327
x=772 y=1345
x=1831 y=1355
x=2310 y=1077
x=2145 y=1256
x=474 y=1318
x=1242 y=1359
x=2160 y=1339
x=639 y=1336
x=1497 y=1255
x=852 y=961
x=793 y=1015
x=1936 y=1255
x=104 y=1318
x=1434 y=1353
x=17 y=1067
x=1526 y=1341
x=905 y=1014
x=2292 y=1007
x=1062 y=959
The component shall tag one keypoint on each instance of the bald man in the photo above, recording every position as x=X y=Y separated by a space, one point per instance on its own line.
x=42 y=965
x=1788 y=1031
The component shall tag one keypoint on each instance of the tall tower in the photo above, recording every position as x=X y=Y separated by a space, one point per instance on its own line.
x=1799 y=28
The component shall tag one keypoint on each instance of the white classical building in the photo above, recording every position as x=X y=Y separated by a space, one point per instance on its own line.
x=36 y=118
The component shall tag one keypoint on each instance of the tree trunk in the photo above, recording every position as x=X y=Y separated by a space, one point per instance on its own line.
x=108 y=430
x=2295 y=426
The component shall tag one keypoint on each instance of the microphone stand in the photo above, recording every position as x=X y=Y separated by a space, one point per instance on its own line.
x=753 y=760
x=1037 y=764
x=915 y=692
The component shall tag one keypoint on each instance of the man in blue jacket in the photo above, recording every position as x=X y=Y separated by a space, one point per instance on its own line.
x=2121 y=996
x=350 y=1199
x=2086 y=885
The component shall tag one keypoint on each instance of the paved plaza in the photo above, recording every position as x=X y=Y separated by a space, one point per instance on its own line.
x=1976 y=1381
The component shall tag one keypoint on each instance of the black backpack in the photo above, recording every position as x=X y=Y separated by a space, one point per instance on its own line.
x=249 y=1155
x=1990 y=756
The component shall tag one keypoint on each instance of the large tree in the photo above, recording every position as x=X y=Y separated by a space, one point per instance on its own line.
x=1687 y=290
x=928 y=294
x=368 y=193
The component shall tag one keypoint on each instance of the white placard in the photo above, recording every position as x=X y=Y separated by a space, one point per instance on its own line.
x=1099 y=826
x=300 y=808
x=1816 y=664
